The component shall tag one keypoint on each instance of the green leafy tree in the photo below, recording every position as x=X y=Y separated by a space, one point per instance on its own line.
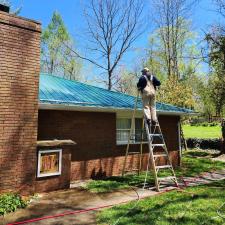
x=203 y=101
x=56 y=57
x=52 y=43
x=216 y=42
x=176 y=92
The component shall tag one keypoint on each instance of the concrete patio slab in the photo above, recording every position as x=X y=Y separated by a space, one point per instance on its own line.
x=81 y=205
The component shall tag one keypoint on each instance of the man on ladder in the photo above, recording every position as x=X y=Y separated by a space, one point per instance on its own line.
x=147 y=85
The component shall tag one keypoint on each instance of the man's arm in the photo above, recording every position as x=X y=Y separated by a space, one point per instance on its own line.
x=141 y=83
x=156 y=82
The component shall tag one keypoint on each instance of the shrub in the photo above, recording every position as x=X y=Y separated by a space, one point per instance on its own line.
x=213 y=124
x=10 y=202
x=212 y=143
x=205 y=124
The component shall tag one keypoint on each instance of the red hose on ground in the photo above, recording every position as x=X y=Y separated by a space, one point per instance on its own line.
x=91 y=209
x=62 y=214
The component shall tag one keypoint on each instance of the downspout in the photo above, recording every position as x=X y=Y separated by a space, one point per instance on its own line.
x=179 y=141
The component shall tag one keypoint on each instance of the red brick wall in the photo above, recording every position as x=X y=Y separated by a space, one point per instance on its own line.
x=96 y=152
x=19 y=80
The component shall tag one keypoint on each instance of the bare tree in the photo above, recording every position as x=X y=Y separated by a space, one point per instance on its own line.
x=170 y=17
x=112 y=28
x=220 y=6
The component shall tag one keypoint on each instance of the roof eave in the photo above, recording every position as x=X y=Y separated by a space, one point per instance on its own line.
x=69 y=107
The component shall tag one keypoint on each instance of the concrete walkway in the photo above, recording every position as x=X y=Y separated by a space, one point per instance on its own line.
x=76 y=199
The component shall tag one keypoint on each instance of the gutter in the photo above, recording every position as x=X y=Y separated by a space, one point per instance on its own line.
x=70 y=107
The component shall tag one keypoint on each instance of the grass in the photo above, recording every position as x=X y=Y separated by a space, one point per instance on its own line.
x=201 y=132
x=172 y=208
x=192 y=165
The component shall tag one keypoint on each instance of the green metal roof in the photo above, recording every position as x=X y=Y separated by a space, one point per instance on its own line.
x=57 y=90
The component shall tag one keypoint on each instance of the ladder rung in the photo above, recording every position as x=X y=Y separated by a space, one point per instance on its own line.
x=155 y=135
x=158 y=145
x=160 y=155
x=166 y=178
x=163 y=167
x=131 y=170
x=131 y=153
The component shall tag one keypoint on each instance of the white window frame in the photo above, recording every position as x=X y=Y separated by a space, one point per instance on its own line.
x=133 y=142
x=39 y=162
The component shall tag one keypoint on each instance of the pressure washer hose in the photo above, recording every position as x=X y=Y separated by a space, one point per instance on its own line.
x=139 y=198
x=134 y=206
x=179 y=188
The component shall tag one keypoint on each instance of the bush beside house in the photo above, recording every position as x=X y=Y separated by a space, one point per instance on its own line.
x=210 y=143
x=10 y=202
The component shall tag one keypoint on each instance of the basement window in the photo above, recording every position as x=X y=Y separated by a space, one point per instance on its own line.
x=49 y=162
x=123 y=126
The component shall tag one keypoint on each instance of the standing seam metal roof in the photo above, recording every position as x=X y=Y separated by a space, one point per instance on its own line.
x=57 y=90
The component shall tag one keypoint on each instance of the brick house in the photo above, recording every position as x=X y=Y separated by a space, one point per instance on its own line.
x=99 y=121
x=96 y=119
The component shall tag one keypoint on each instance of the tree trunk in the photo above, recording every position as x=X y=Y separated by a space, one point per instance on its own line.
x=109 y=80
x=51 y=66
x=223 y=136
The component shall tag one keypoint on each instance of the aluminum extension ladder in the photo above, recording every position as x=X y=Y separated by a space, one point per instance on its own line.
x=155 y=140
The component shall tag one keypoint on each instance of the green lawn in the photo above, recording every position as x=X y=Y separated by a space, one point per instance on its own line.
x=203 y=205
x=201 y=132
x=192 y=165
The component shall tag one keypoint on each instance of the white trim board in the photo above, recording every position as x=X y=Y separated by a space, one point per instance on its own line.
x=119 y=111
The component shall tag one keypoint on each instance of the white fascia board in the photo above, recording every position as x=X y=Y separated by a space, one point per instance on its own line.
x=68 y=107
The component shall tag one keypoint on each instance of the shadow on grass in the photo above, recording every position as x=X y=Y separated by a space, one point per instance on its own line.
x=113 y=183
x=202 y=154
x=191 y=166
x=197 y=154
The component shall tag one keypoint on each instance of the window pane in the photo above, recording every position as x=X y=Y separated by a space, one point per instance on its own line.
x=122 y=135
x=123 y=123
x=123 y=129
x=138 y=130
x=123 y=126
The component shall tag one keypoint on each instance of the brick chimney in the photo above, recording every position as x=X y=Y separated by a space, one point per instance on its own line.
x=19 y=81
x=4 y=8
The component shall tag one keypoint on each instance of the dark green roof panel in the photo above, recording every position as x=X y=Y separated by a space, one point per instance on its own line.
x=56 y=90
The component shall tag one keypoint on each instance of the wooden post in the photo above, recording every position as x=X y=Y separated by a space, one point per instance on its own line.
x=223 y=136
